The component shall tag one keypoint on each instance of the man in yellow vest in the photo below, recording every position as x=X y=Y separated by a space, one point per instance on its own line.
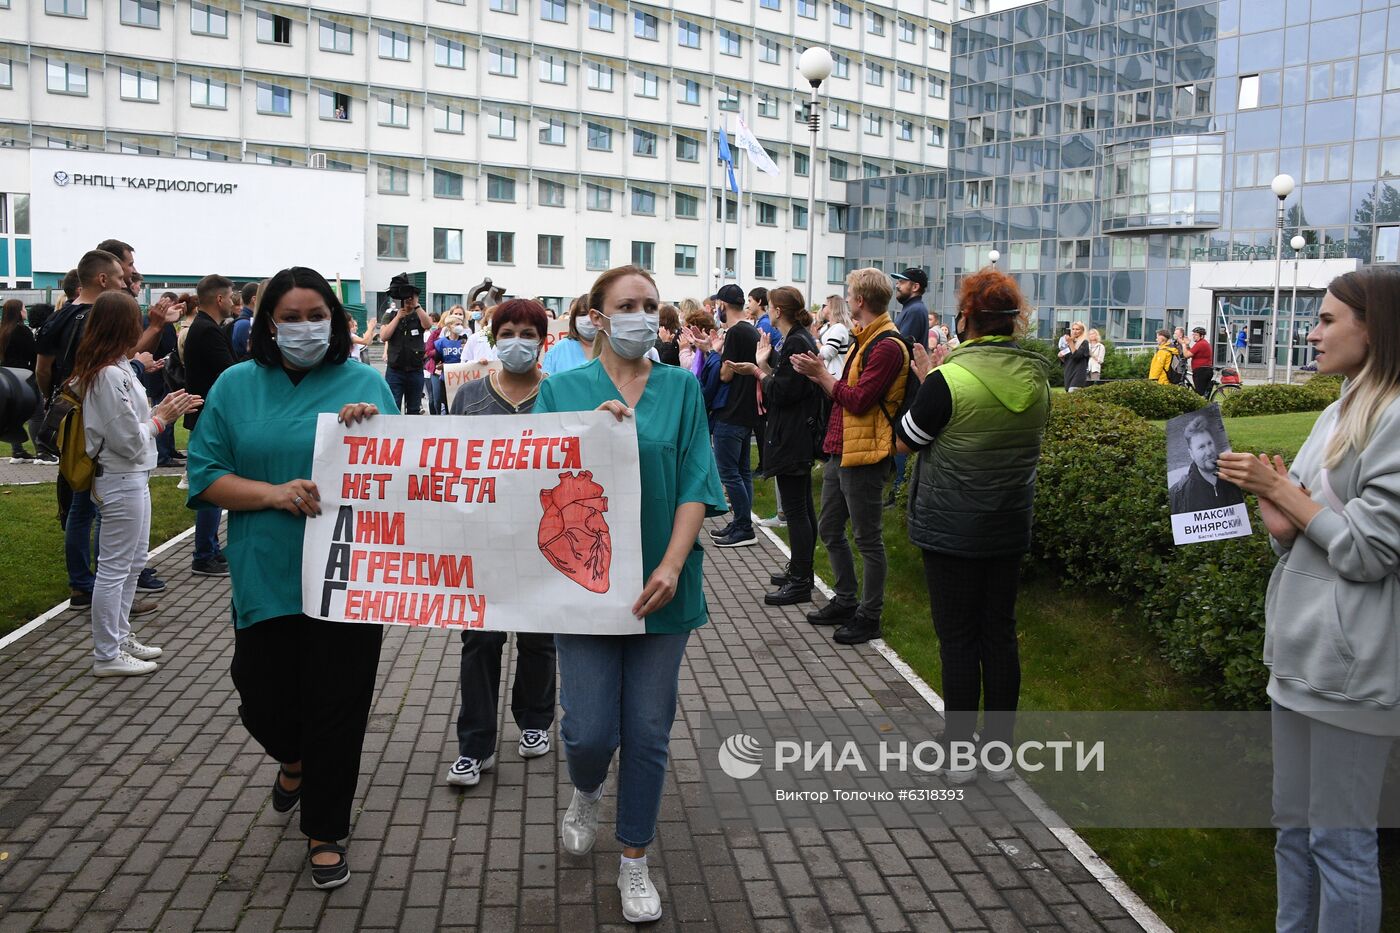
x=860 y=446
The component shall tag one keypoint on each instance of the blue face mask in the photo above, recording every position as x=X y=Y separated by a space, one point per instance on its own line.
x=476 y=315
x=304 y=344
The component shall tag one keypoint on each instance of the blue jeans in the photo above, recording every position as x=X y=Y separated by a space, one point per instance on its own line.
x=165 y=443
x=206 y=533
x=406 y=385
x=1327 y=789
x=732 y=459
x=621 y=690
x=80 y=541
x=437 y=395
x=899 y=461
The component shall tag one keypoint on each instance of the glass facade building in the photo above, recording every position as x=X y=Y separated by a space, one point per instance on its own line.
x=1104 y=147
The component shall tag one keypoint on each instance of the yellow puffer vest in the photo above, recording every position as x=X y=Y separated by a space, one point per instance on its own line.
x=868 y=438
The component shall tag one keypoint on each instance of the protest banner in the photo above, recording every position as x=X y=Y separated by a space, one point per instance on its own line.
x=456 y=375
x=558 y=330
x=530 y=523
x=1204 y=506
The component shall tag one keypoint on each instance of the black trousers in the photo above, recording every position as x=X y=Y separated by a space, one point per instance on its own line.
x=306 y=687
x=531 y=696
x=973 y=602
x=1202 y=378
x=795 y=493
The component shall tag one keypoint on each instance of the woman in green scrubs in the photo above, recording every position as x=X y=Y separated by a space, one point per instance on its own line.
x=305 y=684
x=621 y=689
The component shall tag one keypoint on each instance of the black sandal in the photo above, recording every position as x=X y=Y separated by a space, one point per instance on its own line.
x=284 y=800
x=329 y=876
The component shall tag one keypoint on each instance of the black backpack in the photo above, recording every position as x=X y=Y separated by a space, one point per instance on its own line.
x=174 y=371
x=911 y=384
x=1178 y=367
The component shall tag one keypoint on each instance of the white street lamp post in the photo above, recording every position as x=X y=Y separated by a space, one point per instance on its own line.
x=815 y=65
x=1297 y=243
x=1282 y=186
x=993 y=256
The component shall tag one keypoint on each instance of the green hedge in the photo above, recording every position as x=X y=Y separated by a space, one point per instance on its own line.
x=1102 y=518
x=1328 y=386
x=1147 y=399
x=1274 y=400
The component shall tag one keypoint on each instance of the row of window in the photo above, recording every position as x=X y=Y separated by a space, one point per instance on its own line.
x=209 y=20
x=1182 y=102
x=68 y=78
x=392 y=244
x=1076 y=184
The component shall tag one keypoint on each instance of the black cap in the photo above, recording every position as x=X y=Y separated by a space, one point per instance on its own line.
x=730 y=295
x=917 y=276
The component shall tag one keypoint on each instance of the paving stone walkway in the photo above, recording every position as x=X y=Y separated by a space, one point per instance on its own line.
x=142 y=804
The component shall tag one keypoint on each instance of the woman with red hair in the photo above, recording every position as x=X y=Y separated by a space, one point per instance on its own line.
x=978 y=420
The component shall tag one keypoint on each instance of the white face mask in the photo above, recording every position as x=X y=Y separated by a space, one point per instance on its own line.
x=586 y=328
x=517 y=354
x=632 y=335
x=458 y=330
x=304 y=344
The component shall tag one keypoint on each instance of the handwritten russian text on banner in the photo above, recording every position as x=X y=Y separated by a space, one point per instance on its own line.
x=529 y=523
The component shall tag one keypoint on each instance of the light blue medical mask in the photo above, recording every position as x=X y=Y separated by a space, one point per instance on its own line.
x=632 y=335
x=517 y=354
x=304 y=344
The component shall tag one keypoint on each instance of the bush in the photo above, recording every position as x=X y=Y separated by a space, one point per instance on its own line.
x=1101 y=499
x=1273 y=400
x=1120 y=365
x=1206 y=609
x=1102 y=517
x=1146 y=399
x=1326 y=385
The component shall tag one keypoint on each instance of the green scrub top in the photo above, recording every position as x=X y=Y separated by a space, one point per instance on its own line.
x=677 y=466
x=257 y=425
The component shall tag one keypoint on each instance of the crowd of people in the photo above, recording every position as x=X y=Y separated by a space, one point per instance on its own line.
x=846 y=392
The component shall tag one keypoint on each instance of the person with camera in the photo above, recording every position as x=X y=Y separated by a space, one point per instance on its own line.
x=402 y=335
x=977 y=422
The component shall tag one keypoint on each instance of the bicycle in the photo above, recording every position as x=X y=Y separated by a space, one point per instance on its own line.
x=1224 y=384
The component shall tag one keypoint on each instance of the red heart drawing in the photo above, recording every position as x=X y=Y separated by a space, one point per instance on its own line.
x=574 y=535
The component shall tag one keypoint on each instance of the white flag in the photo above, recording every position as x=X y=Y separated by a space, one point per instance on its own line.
x=745 y=138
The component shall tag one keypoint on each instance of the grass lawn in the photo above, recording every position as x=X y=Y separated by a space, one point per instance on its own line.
x=1075 y=656
x=32 y=575
x=1268 y=434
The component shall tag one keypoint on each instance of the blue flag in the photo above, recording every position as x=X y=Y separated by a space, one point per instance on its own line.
x=728 y=158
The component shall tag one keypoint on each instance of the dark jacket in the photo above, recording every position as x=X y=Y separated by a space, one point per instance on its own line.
x=975 y=492
x=913 y=321
x=1077 y=366
x=208 y=352
x=794 y=424
x=19 y=352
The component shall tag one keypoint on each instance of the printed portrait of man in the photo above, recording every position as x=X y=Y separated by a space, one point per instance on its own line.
x=1201 y=489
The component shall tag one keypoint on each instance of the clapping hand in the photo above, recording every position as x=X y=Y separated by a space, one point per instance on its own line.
x=176 y=404
x=808 y=364
x=764 y=350
x=149 y=363
x=167 y=311
x=664 y=334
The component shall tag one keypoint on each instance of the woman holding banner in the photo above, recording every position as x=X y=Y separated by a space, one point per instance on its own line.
x=305 y=685
x=1330 y=613
x=519 y=327
x=621 y=689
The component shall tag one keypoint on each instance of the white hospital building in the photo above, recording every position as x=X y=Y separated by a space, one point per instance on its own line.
x=531 y=141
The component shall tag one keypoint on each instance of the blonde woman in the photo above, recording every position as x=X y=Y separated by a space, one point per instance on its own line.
x=1096 y=354
x=1077 y=360
x=1330 y=612
x=835 y=337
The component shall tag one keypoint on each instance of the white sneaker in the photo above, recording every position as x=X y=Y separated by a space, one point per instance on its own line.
x=640 y=902
x=123 y=665
x=580 y=827
x=777 y=521
x=184 y=482
x=466 y=772
x=1002 y=776
x=534 y=743
x=15 y=461
x=139 y=651
x=960 y=775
